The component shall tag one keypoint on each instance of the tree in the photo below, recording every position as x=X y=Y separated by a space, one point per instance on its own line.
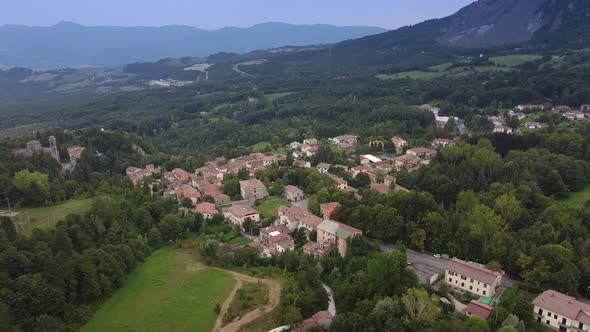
x=231 y=186
x=187 y=203
x=276 y=188
x=155 y=237
x=8 y=227
x=421 y=311
x=515 y=302
x=476 y=324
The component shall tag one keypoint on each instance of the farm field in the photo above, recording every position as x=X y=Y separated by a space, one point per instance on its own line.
x=171 y=291
x=47 y=217
x=514 y=60
x=260 y=147
x=578 y=198
x=269 y=208
x=439 y=71
x=274 y=96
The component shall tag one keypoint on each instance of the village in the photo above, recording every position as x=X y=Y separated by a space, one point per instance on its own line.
x=201 y=191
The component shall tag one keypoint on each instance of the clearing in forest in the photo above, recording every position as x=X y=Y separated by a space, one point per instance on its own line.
x=171 y=291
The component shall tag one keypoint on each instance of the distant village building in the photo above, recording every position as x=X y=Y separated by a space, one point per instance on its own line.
x=422 y=152
x=270 y=231
x=399 y=144
x=302 y=163
x=368 y=159
x=585 y=108
x=407 y=162
x=293 y=194
x=280 y=243
x=332 y=235
x=294 y=145
x=341 y=184
x=294 y=217
x=323 y=168
x=442 y=142
x=530 y=107
x=310 y=141
x=327 y=209
x=533 y=125
x=344 y=142
x=469 y=277
x=208 y=210
x=238 y=214
x=562 y=312
x=34 y=146
x=253 y=189
x=479 y=309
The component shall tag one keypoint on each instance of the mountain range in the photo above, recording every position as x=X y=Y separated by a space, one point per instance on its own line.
x=72 y=45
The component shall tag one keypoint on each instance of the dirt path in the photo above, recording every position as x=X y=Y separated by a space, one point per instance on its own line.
x=274 y=296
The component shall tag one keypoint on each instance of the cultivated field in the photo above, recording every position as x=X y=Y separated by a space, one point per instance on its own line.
x=514 y=60
x=47 y=217
x=171 y=291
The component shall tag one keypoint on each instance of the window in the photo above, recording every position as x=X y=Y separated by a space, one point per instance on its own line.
x=581 y=326
x=540 y=311
x=564 y=321
x=463 y=278
x=462 y=284
x=450 y=280
x=548 y=314
x=471 y=279
x=555 y=316
x=547 y=322
x=484 y=292
x=470 y=287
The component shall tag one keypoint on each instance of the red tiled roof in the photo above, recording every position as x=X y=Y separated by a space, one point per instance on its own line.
x=205 y=208
x=292 y=189
x=329 y=208
x=479 y=309
x=380 y=188
x=241 y=211
x=251 y=184
x=564 y=305
x=472 y=271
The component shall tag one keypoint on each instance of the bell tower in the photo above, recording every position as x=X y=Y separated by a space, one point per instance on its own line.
x=53 y=146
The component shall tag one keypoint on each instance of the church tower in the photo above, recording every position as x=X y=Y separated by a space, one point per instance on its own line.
x=53 y=146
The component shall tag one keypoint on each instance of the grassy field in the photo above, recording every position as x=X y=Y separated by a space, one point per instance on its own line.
x=514 y=60
x=440 y=70
x=171 y=291
x=274 y=96
x=260 y=147
x=47 y=217
x=269 y=208
x=578 y=198
x=441 y=67
x=414 y=75
x=250 y=296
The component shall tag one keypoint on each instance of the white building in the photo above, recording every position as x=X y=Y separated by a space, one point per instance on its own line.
x=562 y=312
x=470 y=277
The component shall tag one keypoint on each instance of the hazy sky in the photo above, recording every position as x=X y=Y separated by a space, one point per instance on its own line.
x=210 y=14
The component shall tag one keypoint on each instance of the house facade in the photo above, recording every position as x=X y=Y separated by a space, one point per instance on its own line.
x=469 y=277
x=562 y=312
x=237 y=214
x=253 y=189
x=208 y=210
x=293 y=194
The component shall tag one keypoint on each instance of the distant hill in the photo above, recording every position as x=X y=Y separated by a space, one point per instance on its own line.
x=72 y=45
x=493 y=23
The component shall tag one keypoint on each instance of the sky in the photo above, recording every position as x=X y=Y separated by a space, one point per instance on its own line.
x=214 y=14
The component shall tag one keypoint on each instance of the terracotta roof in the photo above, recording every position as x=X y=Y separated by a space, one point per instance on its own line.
x=564 y=305
x=324 y=165
x=329 y=208
x=241 y=211
x=284 y=240
x=251 y=184
x=293 y=189
x=479 y=309
x=380 y=188
x=471 y=270
x=205 y=208
x=422 y=150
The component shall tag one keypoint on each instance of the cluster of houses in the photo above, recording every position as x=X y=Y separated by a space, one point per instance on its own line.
x=552 y=308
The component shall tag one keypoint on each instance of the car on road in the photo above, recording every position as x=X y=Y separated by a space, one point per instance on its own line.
x=437 y=255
